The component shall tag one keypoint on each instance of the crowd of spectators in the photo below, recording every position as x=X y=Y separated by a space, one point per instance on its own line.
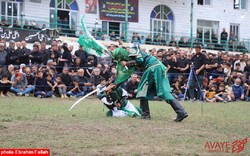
x=59 y=71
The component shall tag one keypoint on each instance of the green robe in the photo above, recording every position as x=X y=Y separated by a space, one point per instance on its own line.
x=154 y=80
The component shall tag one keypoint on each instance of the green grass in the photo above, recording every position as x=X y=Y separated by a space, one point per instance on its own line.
x=46 y=123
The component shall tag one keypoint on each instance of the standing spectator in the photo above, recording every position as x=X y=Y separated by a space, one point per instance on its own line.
x=131 y=86
x=223 y=37
x=198 y=60
x=210 y=66
x=12 y=55
x=20 y=83
x=233 y=40
x=238 y=90
x=80 y=53
x=242 y=62
x=63 y=61
x=35 y=55
x=171 y=64
x=183 y=63
x=247 y=69
x=44 y=52
x=3 y=55
x=24 y=54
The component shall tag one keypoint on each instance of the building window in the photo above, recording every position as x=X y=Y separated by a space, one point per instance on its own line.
x=207 y=31
x=204 y=2
x=11 y=10
x=235 y=29
x=161 y=23
x=240 y=4
x=67 y=14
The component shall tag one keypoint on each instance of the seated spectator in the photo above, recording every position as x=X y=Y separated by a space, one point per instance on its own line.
x=89 y=66
x=209 y=95
x=16 y=25
x=181 y=42
x=43 y=90
x=142 y=40
x=76 y=65
x=148 y=40
x=65 y=77
x=176 y=90
x=75 y=89
x=248 y=92
x=26 y=25
x=5 y=85
x=60 y=87
x=84 y=83
x=95 y=78
x=172 y=42
x=238 y=90
x=99 y=34
x=221 y=94
x=105 y=72
x=131 y=86
x=112 y=36
x=20 y=84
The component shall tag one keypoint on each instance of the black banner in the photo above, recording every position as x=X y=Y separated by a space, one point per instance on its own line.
x=30 y=36
x=114 y=10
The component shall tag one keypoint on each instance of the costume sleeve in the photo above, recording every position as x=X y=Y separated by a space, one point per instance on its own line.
x=105 y=101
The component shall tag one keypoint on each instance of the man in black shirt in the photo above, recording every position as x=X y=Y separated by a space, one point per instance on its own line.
x=82 y=55
x=198 y=61
x=171 y=65
x=183 y=63
x=223 y=37
x=35 y=56
x=131 y=86
x=211 y=65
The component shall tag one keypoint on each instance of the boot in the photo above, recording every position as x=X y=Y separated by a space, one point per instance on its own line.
x=181 y=113
x=145 y=109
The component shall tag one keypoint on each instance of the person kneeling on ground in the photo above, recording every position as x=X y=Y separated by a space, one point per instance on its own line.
x=115 y=99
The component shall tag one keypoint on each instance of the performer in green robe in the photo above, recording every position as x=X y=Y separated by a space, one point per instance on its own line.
x=154 y=80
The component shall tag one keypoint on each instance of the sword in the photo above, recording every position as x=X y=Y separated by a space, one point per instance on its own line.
x=87 y=95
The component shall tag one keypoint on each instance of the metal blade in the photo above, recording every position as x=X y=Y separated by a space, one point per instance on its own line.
x=82 y=99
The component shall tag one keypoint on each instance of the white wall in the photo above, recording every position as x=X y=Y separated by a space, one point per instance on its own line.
x=221 y=11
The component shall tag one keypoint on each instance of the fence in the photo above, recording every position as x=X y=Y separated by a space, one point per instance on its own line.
x=140 y=35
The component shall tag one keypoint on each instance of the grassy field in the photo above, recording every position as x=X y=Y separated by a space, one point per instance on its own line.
x=46 y=123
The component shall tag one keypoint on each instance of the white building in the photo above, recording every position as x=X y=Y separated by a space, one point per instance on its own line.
x=158 y=17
